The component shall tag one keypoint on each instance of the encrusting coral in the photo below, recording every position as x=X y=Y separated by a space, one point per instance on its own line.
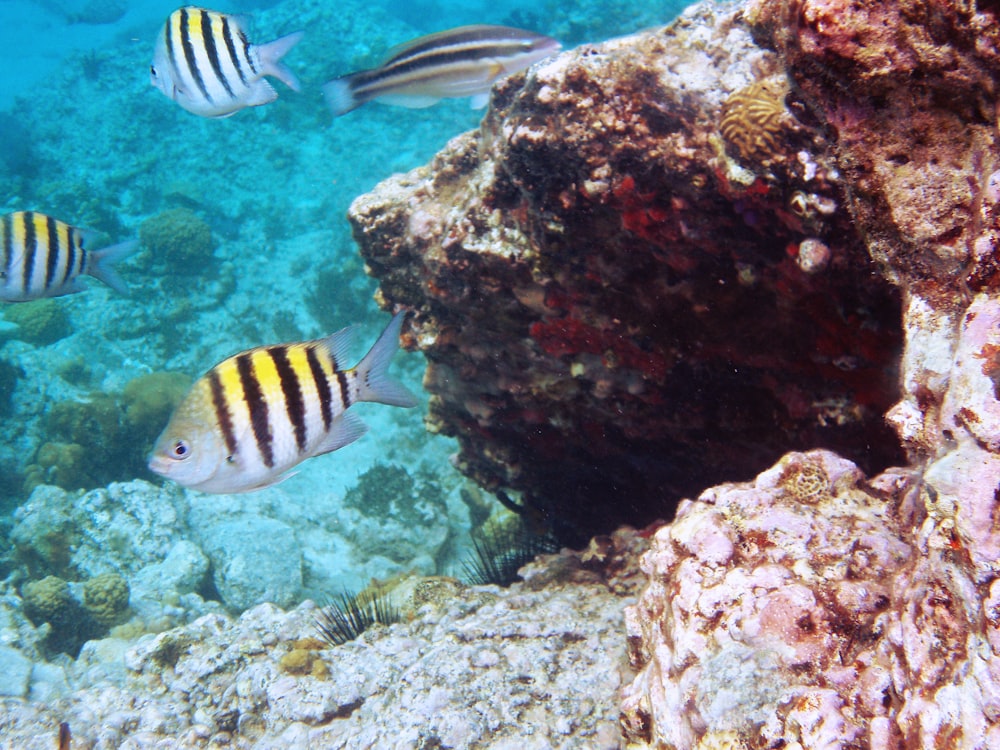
x=809 y=606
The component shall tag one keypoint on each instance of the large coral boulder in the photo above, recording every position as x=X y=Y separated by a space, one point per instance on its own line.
x=637 y=278
x=865 y=615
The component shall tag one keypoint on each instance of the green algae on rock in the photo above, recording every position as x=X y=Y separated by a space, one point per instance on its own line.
x=40 y=322
x=178 y=239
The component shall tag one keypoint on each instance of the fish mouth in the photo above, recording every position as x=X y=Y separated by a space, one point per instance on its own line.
x=159 y=465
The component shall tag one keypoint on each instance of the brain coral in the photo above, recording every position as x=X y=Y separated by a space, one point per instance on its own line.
x=41 y=322
x=148 y=401
x=47 y=600
x=178 y=239
x=105 y=597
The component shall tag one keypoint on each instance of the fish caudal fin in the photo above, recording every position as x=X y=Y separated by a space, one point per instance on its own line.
x=339 y=95
x=101 y=263
x=373 y=379
x=270 y=59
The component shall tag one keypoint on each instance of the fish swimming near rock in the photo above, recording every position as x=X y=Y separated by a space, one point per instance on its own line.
x=257 y=414
x=44 y=257
x=465 y=61
x=204 y=62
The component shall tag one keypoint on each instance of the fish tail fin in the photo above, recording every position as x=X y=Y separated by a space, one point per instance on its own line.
x=101 y=264
x=373 y=379
x=270 y=58
x=339 y=95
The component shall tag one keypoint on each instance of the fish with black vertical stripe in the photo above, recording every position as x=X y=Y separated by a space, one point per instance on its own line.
x=44 y=257
x=203 y=61
x=259 y=413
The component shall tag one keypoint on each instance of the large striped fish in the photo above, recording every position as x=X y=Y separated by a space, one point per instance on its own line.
x=254 y=416
x=204 y=62
x=44 y=257
x=465 y=61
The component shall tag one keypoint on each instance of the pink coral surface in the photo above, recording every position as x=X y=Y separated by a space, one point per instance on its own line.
x=820 y=618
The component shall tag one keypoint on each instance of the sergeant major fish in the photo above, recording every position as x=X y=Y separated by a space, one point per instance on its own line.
x=44 y=257
x=465 y=61
x=257 y=414
x=204 y=62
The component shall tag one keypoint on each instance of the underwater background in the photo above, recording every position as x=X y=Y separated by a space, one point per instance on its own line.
x=241 y=223
x=700 y=242
x=243 y=242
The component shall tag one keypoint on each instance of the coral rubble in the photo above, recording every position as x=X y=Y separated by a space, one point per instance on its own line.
x=534 y=666
x=637 y=278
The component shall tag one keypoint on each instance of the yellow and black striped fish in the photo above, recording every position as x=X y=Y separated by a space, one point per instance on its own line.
x=44 y=257
x=254 y=416
x=204 y=62
x=465 y=61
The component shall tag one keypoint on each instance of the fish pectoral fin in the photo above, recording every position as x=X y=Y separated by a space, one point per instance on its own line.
x=345 y=430
x=272 y=482
x=178 y=92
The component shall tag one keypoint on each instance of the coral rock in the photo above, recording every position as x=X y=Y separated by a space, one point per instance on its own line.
x=826 y=619
x=607 y=287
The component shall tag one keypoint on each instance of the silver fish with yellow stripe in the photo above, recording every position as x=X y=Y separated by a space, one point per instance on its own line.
x=204 y=62
x=44 y=257
x=465 y=61
x=257 y=414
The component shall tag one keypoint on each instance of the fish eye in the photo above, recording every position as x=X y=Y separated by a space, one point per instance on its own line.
x=180 y=450
x=152 y=70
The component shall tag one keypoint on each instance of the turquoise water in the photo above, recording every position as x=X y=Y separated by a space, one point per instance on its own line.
x=244 y=244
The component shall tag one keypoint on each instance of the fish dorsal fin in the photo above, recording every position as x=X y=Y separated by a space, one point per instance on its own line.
x=427 y=41
x=238 y=22
x=345 y=429
x=338 y=346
